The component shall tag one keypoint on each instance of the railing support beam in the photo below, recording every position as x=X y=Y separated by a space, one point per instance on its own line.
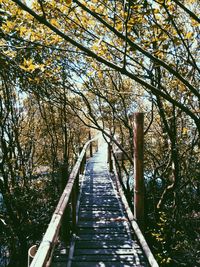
x=139 y=169
x=91 y=153
x=110 y=163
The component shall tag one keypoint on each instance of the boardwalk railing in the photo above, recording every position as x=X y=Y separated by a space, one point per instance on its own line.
x=133 y=222
x=44 y=253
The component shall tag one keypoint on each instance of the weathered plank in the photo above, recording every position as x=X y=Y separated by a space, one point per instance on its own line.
x=84 y=208
x=95 y=215
x=103 y=244
x=103 y=236
x=104 y=251
x=103 y=264
x=101 y=224
x=105 y=258
x=100 y=230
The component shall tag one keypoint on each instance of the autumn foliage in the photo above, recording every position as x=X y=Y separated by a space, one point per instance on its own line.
x=67 y=66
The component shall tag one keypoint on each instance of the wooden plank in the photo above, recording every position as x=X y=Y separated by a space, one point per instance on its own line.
x=85 y=208
x=95 y=206
x=106 y=251
x=97 y=217
x=100 y=189
x=99 y=194
x=101 y=224
x=103 y=244
x=103 y=188
x=98 y=213
x=99 y=203
x=105 y=236
x=103 y=264
x=105 y=258
x=101 y=230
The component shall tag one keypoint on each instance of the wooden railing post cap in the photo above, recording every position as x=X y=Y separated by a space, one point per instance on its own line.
x=139 y=115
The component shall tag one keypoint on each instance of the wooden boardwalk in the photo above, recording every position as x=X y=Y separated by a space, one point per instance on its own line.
x=103 y=235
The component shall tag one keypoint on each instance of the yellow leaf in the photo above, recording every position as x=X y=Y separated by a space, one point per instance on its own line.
x=91 y=22
x=9 y=53
x=95 y=47
x=189 y=35
x=22 y=67
x=32 y=67
x=90 y=73
x=42 y=67
x=22 y=30
x=68 y=2
x=100 y=74
x=8 y=26
x=156 y=11
x=185 y=131
x=195 y=23
x=28 y=65
x=119 y=26
x=54 y=22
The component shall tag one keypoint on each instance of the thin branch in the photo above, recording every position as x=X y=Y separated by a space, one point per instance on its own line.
x=93 y=55
x=42 y=8
x=194 y=16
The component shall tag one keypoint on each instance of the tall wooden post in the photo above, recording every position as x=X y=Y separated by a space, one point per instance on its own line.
x=110 y=157
x=90 y=143
x=139 y=169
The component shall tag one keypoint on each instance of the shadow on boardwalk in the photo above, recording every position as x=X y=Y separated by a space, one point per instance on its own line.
x=103 y=236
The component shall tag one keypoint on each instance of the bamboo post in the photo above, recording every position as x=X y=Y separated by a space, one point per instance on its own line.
x=110 y=157
x=82 y=162
x=90 y=143
x=139 y=168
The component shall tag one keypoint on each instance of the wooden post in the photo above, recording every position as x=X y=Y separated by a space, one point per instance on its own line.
x=139 y=169
x=110 y=157
x=90 y=143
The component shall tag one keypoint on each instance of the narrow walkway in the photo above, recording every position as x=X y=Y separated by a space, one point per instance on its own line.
x=103 y=236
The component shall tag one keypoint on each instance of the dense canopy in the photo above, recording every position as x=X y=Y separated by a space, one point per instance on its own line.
x=70 y=69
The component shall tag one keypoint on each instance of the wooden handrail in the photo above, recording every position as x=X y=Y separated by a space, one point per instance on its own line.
x=152 y=261
x=43 y=255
